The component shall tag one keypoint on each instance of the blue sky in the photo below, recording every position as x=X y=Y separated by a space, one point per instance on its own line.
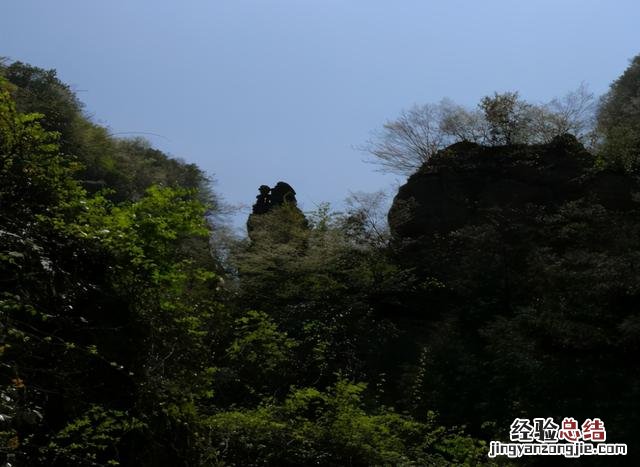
x=266 y=90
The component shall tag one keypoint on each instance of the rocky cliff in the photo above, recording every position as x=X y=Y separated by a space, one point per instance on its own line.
x=465 y=182
x=524 y=282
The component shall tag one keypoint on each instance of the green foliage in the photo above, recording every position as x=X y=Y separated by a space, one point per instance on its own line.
x=536 y=302
x=508 y=117
x=258 y=361
x=40 y=91
x=149 y=232
x=619 y=120
x=333 y=428
x=321 y=288
x=34 y=177
x=92 y=439
x=122 y=343
x=126 y=167
x=107 y=309
x=259 y=345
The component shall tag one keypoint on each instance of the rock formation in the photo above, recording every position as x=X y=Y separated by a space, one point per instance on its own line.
x=521 y=267
x=273 y=200
x=269 y=198
x=464 y=183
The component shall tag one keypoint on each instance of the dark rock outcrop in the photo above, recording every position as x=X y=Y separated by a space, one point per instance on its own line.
x=280 y=198
x=269 y=198
x=263 y=200
x=463 y=183
x=283 y=193
x=521 y=267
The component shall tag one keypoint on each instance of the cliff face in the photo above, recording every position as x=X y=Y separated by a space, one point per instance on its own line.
x=466 y=182
x=523 y=282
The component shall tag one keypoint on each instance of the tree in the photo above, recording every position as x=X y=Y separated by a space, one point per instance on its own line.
x=40 y=91
x=508 y=117
x=107 y=311
x=573 y=113
x=406 y=143
x=335 y=427
x=462 y=124
x=619 y=120
x=322 y=283
x=123 y=167
x=365 y=220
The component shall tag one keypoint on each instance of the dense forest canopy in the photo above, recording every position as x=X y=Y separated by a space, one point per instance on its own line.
x=505 y=286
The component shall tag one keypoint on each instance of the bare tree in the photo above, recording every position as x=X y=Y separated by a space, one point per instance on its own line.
x=572 y=113
x=406 y=143
x=461 y=124
x=366 y=217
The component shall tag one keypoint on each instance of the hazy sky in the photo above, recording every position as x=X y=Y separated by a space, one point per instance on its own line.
x=267 y=90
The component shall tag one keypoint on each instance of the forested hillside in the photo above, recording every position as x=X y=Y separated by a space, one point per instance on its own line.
x=507 y=285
